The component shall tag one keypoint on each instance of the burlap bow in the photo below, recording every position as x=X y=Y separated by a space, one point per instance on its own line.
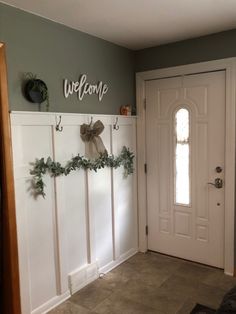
x=94 y=146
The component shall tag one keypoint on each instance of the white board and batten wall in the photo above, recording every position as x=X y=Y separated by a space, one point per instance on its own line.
x=87 y=223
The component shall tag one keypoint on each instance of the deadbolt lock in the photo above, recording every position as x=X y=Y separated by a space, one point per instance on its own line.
x=218 y=169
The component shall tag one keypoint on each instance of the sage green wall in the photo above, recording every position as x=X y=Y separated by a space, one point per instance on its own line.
x=205 y=48
x=54 y=52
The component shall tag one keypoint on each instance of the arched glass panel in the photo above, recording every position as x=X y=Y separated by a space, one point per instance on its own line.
x=182 y=149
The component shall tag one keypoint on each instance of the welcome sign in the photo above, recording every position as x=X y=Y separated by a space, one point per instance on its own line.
x=82 y=88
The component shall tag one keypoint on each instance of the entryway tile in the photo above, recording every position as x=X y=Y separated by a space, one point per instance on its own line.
x=90 y=296
x=117 y=304
x=151 y=283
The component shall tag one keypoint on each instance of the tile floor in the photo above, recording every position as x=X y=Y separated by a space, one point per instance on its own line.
x=150 y=283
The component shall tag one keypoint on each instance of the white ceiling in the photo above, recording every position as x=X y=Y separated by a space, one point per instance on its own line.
x=137 y=24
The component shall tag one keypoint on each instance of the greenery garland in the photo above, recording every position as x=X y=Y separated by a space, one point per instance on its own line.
x=55 y=169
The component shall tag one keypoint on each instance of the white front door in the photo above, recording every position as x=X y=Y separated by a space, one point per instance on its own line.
x=185 y=134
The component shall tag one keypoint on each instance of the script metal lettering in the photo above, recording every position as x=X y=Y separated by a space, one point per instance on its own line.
x=82 y=88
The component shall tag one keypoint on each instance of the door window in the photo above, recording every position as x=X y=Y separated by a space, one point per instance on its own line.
x=182 y=162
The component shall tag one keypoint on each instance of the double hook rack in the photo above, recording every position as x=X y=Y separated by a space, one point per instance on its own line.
x=59 y=127
x=116 y=126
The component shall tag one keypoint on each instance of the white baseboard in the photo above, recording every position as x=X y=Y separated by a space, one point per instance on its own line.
x=117 y=262
x=46 y=307
x=82 y=277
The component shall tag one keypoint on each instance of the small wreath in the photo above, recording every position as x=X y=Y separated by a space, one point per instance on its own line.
x=36 y=90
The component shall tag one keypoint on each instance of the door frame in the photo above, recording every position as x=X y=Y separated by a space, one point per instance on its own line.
x=229 y=66
x=10 y=285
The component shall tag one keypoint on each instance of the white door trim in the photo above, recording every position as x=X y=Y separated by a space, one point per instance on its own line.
x=229 y=65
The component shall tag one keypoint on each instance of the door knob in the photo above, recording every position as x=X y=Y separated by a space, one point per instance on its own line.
x=217 y=184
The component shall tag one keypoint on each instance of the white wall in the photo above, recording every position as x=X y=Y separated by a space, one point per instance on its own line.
x=87 y=223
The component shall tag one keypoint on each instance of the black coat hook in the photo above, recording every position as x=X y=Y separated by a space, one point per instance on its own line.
x=91 y=122
x=116 y=126
x=59 y=127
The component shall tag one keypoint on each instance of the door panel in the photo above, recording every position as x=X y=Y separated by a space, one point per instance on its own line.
x=194 y=230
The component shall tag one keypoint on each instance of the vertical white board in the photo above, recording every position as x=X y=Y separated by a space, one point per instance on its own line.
x=35 y=217
x=100 y=206
x=71 y=200
x=125 y=207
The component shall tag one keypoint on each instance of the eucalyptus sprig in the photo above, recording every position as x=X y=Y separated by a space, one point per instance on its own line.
x=55 y=169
